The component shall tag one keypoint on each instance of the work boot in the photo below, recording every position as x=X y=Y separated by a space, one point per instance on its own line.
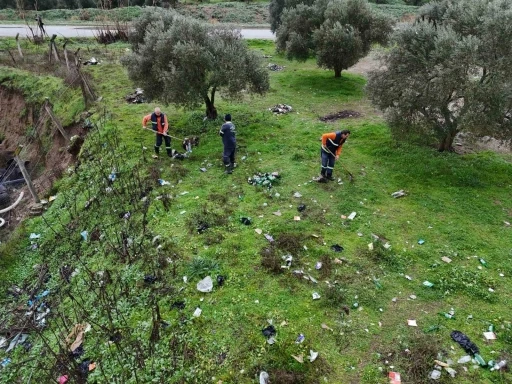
x=330 y=178
x=157 y=150
x=169 y=151
x=229 y=169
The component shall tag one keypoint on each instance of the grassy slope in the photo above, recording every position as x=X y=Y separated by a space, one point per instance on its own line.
x=255 y=14
x=456 y=203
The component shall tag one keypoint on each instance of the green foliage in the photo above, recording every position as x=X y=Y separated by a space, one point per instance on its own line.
x=449 y=73
x=200 y=267
x=191 y=61
x=338 y=33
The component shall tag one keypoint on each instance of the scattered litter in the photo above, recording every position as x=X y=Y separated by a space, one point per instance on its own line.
x=63 y=379
x=435 y=375
x=441 y=363
x=220 y=280
x=312 y=355
x=297 y=195
x=203 y=169
x=91 y=61
x=275 y=67
x=325 y=326
x=394 y=378
x=428 y=284
x=316 y=296
x=183 y=212
x=258 y=231
x=499 y=366
x=197 y=312
x=446 y=259
x=489 y=336
x=149 y=279
x=338 y=261
x=34 y=236
x=408 y=277
x=296 y=218
x=352 y=216
x=506 y=223
x=163 y=182
x=277 y=213
x=398 y=194
x=280 y=108
x=318 y=265
x=483 y=262
x=337 y=248
x=288 y=260
x=340 y=115
x=269 y=238
x=205 y=285
x=202 y=227
x=264 y=179
x=464 y=359
x=112 y=176
x=264 y=377
x=5 y=362
x=370 y=246
x=84 y=235
x=412 y=297
x=301 y=207
x=451 y=371
x=246 y=220
x=300 y=339
x=269 y=331
x=137 y=97
x=299 y=358
x=271 y=340
x=412 y=323
x=421 y=241
x=465 y=342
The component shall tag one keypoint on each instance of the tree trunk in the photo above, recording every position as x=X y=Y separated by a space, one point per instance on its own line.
x=211 y=111
x=337 y=72
x=446 y=143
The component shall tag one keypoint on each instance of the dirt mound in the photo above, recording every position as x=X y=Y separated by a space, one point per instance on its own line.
x=45 y=155
x=345 y=114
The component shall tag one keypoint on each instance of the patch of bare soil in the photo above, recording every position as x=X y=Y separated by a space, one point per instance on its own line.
x=465 y=143
x=45 y=155
x=345 y=114
x=366 y=64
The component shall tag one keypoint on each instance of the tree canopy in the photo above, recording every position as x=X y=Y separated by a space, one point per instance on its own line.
x=182 y=61
x=337 y=32
x=450 y=72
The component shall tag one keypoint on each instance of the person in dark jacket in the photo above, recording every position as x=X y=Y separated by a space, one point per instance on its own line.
x=160 y=125
x=227 y=131
x=330 y=152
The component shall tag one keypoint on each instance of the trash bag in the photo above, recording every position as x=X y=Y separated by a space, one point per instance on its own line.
x=465 y=342
x=337 y=248
x=301 y=208
x=245 y=220
x=269 y=331
x=149 y=279
x=179 y=304
x=220 y=280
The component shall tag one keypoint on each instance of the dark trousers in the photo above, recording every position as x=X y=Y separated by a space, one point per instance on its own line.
x=327 y=163
x=159 y=139
x=228 y=157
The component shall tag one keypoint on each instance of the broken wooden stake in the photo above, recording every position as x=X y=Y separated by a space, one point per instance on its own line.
x=49 y=110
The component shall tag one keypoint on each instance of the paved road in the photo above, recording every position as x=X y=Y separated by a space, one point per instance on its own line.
x=10 y=30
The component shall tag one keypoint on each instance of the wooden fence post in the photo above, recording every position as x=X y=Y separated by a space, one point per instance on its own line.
x=49 y=110
x=26 y=176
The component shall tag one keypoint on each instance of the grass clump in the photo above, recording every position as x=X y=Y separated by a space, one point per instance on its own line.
x=201 y=267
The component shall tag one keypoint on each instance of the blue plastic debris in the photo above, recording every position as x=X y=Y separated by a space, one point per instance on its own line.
x=421 y=241
x=84 y=235
x=5 y=362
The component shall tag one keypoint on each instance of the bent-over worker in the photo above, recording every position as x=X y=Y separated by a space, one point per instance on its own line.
x=330 y=152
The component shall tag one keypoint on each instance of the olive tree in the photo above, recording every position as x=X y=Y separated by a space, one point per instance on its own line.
x=182 y=61
x=337 y=32
x=450 y=72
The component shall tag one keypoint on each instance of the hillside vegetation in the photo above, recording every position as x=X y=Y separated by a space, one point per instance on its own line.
x=102 y=263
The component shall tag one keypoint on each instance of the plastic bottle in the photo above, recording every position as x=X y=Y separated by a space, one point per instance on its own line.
x=483 y=262
x=480 y=360
x=447 y=315
x=500 y=365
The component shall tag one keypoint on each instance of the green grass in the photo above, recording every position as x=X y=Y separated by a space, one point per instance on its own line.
x=252 y=14
x=457 y=204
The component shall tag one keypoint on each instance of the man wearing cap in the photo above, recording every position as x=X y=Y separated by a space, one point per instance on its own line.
x=160 y=126
x=227 y=131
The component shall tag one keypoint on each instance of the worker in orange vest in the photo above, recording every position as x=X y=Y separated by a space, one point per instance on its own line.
x=330 y=152
x=160 y=125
